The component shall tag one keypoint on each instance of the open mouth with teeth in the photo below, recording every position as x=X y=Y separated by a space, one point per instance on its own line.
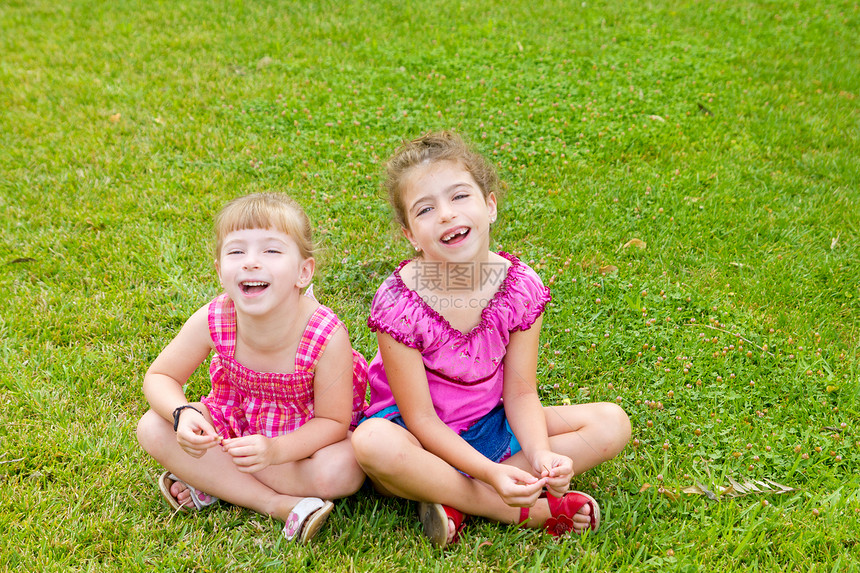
x=455 y=236
x=253 y=287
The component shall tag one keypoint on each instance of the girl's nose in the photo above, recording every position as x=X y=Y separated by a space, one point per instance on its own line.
x=250 y=262
x=445 y=212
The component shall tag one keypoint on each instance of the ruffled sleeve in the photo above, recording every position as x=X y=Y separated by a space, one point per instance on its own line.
x=525 y=297
x=396 y=312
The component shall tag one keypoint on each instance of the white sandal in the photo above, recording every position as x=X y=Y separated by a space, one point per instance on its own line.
x=198 y=498
x=306 y=518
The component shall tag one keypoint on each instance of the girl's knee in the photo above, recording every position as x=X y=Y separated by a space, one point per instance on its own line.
x=381 y=447
x=152 y=430
x=368 y=439
x=341 y=477
x=342 y=480
x=617 y=422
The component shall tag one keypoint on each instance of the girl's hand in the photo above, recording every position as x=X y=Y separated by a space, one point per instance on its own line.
x=556 y=469
x=516 y=487
x=250 y=453
x=195 y=434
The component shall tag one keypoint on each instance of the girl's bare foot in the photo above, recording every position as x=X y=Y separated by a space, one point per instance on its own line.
x=181 y=494
x=582 y=519
x=440 y=522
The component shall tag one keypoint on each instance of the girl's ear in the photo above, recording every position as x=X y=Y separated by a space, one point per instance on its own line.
x=218 y=271
x=491 y=207
x=409 y=237
x=306 y=273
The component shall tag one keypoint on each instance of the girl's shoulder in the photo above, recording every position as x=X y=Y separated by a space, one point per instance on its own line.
x=220 y=303
x=522 y=297
x=321 y=320
x=200 y=317
x=520 y=278
x=195 y=330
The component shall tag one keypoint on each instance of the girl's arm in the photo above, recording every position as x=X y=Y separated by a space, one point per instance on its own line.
x=524 y=410
x=330 y=424
x=162 y=384
x=407 y=377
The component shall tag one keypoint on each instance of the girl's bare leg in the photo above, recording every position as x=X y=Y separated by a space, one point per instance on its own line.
x=331 y=473
x=589 y=434
x=398 y=465
x=273 y=491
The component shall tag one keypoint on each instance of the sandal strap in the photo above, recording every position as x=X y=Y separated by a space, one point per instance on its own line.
x=570 y=504
x=199 y=499
x=299 y=514
x=459 y=519
x=524 y=515
x=457 y=516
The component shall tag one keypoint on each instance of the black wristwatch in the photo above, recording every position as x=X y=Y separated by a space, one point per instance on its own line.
x=178 y=411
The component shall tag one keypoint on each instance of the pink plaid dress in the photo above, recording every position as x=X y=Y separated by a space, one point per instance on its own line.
x=244 y=402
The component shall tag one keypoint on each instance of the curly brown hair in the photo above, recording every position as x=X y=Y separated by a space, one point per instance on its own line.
x=428 y=149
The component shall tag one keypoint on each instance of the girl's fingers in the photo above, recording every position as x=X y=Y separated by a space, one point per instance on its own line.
x=248 y=465
x=525 y=478
x=237 y=443
x=560 y=490
x=537 y=484
x=523 y=500
x=200 y=440
x=250 y=469
x=239 y=453
x=192 y=451
x=525 y=494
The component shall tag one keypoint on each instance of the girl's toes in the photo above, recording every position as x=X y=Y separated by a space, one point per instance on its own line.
x=176 y=488
x=582 y=519
x=452 y=530
x=181 y=493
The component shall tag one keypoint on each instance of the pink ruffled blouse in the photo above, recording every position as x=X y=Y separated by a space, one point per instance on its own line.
x=465 y=372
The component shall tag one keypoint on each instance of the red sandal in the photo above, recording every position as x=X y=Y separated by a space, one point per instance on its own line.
x=562 y=510
x=434 y=518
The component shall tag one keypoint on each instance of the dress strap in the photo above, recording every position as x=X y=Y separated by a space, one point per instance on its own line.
x=317 y=333
x=222 y=325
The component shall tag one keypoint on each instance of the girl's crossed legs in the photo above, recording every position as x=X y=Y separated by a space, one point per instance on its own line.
x=397 y=464
x=330 y=473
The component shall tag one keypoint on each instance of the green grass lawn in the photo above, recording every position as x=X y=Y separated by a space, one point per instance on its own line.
x=723 y=136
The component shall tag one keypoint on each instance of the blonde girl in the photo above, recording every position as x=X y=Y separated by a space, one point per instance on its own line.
x=272 y=435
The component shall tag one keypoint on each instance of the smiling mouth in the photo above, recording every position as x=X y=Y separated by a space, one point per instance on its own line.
x=253 y=287
x=455 y=235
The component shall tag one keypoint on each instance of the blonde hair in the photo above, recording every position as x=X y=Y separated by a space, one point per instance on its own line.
x=431 y=148
x=265 y=211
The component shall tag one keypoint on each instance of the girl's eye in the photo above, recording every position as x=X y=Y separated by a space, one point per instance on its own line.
x=234 y=252
x=275 y=251
x=461 y=196
x=423 y=210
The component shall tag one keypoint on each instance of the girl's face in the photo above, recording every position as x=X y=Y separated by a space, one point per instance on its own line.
x=447 y=216
x=260 y=268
